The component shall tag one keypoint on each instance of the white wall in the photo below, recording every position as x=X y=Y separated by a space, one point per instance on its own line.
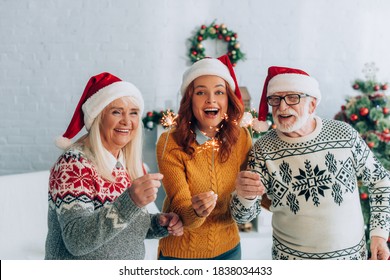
x=49 y=49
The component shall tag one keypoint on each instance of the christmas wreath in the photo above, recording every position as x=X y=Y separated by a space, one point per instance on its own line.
x=219 y=32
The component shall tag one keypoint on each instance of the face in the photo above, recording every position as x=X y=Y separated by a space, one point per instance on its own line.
x=209 y=103
x=120 y=120
x=294 y=120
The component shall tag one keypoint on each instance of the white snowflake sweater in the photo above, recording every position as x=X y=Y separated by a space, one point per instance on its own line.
x=312 y=182
x=92 y=218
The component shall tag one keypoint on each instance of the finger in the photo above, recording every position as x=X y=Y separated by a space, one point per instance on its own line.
x=249 y=182
x=175 y=227
x=163 y=220
x=150 y=176
x=251 y=191
x=174 y=220
x=205 y=203
x=202 y=196
x=150 y=194
x=151 y=185
x=208 y=210
x=249 y=174
x=374 y=254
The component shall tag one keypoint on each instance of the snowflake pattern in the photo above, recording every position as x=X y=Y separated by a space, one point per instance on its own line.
x=326 y=170
x=311 y=183
x=73 y=178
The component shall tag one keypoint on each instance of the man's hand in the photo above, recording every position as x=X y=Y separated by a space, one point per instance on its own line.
x=248 y=185
x=379 y=249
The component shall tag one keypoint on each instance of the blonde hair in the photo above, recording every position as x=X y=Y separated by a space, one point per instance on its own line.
x=132 y=152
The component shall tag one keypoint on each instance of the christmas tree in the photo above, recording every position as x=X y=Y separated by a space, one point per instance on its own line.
x=368 y=113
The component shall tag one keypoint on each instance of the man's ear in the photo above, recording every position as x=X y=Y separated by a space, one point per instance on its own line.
x=313 y=105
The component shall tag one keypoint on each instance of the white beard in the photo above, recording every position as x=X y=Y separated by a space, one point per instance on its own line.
x=298 y=124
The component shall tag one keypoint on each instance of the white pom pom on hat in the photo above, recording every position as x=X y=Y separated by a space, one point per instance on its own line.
x=100 y=91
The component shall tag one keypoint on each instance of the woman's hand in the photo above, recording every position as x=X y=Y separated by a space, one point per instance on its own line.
x=144 y=189
x=172 y=222
x=204 y=203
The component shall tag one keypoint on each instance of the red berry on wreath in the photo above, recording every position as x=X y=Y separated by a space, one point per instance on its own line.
x=384 y=87
x=216 y=26
x=203 y=26
x=220 y=36
x=200 y=38
x=363 y=196
x=353 y=117
x=363 y=111
x=149 y=114
x=343 y=107
x=376 y=87
x=371 y=145
x=227 y=38
x=385 y=110
x=355 y=86
x=194 y=53
x=235 y=35
x=386 y=131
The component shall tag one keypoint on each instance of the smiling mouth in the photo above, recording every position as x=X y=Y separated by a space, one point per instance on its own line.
x=211 y=111
x=122 y=130
x=285 y=116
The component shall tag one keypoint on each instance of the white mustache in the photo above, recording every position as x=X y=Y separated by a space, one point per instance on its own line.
x=287 y=112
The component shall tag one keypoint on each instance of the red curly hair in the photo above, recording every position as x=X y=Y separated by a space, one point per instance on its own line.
x=229 y=132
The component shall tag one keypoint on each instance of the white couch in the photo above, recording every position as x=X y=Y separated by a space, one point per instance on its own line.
x=23 y=217
x=23 y=221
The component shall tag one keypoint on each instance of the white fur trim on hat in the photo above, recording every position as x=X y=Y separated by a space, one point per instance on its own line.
x=294 y=82
x=97 y=102
x=206 y=66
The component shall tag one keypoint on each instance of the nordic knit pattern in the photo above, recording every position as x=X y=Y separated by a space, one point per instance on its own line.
x=92 y=218
x=312 y=183
x=184 y=178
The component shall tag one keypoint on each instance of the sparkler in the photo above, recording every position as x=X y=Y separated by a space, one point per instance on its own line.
x=168 y=120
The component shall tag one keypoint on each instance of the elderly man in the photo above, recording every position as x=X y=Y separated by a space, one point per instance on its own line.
x=309 y=169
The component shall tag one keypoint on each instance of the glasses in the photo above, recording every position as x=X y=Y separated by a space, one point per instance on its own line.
x=290 y=99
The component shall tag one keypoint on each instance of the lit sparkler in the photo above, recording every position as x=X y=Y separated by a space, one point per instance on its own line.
x=168 y=120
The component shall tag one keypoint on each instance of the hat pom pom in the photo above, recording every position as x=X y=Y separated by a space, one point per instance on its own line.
x=260 y=126
x=63 y=142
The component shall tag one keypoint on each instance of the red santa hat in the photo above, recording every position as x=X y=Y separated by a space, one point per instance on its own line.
x=100 y=91
x=220 y=67
x=281 y=79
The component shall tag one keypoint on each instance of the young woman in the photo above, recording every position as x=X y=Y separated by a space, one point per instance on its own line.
x=200 y=160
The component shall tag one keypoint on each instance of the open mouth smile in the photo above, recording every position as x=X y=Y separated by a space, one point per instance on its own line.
x=122 y=130
x=211 y=111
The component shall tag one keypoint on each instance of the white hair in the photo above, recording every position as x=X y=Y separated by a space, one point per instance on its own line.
x=132 y=152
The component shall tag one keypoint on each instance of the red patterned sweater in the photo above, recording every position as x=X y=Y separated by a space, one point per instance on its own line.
x=92 y=218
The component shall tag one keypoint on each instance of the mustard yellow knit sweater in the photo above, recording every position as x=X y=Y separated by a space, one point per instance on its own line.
x=185 y=177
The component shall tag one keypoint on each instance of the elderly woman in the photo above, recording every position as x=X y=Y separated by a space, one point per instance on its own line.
x=200 y=160
x=98 y=189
